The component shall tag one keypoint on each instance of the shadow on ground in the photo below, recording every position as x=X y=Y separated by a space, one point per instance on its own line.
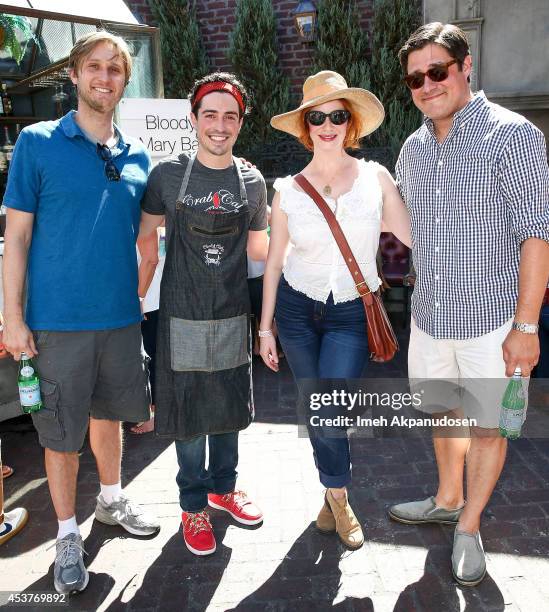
x=28 y=486
x=385 y=471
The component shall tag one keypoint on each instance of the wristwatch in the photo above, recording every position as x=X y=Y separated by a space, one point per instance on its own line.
x=526 y=328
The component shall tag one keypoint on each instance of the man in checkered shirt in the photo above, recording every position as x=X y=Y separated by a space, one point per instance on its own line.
x=475 y=179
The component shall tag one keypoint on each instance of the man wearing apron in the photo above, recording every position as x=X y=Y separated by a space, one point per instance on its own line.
x=215 y=211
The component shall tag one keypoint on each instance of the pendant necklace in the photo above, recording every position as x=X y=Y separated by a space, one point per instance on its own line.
x=327 y=189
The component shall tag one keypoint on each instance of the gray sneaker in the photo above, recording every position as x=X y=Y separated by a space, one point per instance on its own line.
x=69 y=572
x=126 y=514
x=468 y=561
x=425 y=511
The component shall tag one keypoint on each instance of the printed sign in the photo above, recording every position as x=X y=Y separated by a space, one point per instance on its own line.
x=163 y=125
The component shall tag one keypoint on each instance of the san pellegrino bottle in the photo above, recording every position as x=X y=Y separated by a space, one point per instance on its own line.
x=512 y=407
x=29 y=385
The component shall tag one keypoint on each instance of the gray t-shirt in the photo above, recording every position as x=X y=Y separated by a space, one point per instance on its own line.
x=209 y=190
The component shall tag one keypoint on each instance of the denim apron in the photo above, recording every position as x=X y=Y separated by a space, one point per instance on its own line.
x=203 y=378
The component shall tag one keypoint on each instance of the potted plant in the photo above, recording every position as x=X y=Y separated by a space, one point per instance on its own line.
x=9 y=24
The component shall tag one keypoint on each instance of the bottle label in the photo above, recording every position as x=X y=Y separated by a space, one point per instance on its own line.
x=512 y=421
x=29 y=393
x=27 y=371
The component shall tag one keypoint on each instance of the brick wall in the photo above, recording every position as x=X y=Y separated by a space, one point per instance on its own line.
x=216 y=21
x=141 y=10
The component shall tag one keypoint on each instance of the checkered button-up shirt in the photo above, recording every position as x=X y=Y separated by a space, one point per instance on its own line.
x=473 y=199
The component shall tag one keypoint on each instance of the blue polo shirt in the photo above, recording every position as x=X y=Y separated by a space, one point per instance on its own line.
x=82 y=266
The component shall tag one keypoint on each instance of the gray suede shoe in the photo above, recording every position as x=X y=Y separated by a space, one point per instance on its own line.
x=425 y=511
x=468 y=561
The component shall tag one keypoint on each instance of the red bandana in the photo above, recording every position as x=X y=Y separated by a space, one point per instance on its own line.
x=219 y=86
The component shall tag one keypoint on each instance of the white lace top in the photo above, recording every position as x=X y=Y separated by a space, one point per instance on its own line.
x=315 y=265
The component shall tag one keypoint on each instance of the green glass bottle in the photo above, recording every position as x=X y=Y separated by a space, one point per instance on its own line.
x=512 y=408
x=29 y=386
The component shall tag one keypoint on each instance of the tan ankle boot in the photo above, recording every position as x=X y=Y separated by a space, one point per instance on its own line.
x=347 y=526
x=325 y=521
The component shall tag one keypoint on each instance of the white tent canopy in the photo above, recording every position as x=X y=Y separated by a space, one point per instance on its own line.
x=99 y=10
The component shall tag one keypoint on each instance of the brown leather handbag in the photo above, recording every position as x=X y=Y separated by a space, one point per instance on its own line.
x=381 y=337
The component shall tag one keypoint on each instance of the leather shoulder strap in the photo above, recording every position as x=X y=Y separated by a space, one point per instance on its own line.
x=339 y=236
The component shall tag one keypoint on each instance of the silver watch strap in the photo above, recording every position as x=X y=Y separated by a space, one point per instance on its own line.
x=525 y=328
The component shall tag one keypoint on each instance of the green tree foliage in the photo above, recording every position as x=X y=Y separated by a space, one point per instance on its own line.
x=183 y=57
x=341 y=44
x=253 y=53
x=394 y=21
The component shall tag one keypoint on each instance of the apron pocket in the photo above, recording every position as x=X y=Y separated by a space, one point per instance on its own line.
x=230 y=345
x=190 y=344
x=208 y=346
x=222 y=231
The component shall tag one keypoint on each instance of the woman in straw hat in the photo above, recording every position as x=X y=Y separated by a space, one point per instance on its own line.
x=319 y=313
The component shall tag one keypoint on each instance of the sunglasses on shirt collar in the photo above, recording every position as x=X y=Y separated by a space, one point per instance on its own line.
x=337 y=117
x=111 y=171
x=437 y=73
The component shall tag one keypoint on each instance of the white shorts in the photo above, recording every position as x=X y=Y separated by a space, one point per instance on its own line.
x=474 y=366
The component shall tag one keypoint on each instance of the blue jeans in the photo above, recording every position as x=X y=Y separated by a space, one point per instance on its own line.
x=542 y=370
x=323 y=341
x=194 y=480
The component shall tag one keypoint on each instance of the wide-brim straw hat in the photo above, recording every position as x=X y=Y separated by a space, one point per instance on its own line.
x=323 y=87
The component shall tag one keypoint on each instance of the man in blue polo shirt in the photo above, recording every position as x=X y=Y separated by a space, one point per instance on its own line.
x=73 y=199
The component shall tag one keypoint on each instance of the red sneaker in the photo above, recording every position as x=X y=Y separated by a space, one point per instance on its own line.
x=198 y=533
x=238 y=506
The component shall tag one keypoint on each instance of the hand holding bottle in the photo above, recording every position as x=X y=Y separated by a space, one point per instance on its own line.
x=18 y=339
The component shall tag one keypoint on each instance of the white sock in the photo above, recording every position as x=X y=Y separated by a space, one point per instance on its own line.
x=68 y=526
x=110 y=493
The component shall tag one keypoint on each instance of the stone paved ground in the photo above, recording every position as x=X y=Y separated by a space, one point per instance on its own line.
x=285 y=564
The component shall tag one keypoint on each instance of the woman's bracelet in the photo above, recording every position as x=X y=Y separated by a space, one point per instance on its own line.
x=268 y=333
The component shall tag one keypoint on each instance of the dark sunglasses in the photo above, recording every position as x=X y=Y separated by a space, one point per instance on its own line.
x=437 y=73
x=111 y=171
x=337 y=117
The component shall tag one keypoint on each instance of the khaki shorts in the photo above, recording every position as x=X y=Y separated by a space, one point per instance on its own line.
x=464 y=375
x=102 y=374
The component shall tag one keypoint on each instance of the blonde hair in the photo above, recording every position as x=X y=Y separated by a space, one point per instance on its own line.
x=352 y=137
x=85 y=45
